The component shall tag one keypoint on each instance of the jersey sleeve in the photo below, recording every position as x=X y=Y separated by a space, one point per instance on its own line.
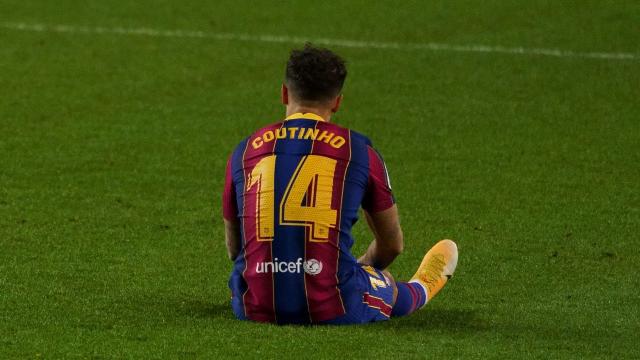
x=378 y=195
x=229 y=204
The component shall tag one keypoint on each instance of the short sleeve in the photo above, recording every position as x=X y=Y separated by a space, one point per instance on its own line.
x=378 y=195
x=229 y=204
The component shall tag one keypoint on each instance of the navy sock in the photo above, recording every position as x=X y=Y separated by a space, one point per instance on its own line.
x=411 y=297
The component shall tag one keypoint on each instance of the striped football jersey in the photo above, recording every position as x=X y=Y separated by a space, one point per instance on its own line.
x=296 y=187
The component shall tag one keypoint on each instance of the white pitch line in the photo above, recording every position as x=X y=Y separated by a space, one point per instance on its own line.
x=72 y=29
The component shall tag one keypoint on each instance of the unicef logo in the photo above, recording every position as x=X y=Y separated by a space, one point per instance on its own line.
x=312 y=267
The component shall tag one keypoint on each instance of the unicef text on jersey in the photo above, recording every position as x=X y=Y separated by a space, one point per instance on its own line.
x=311 y=266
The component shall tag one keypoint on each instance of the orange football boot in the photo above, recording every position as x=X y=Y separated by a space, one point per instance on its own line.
x=437 y=267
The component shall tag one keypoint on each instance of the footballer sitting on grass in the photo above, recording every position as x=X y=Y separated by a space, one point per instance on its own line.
x=291 y=196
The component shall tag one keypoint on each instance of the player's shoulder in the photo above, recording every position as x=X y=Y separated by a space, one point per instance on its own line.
x=357 y=138
x=360 y=138
x=365 y=142
x=372 y=156
x=362 y=149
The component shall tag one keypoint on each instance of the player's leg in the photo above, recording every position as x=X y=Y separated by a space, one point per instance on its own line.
x=392 y=282
x=374 y=295
x=436 y=268
x=367 y=296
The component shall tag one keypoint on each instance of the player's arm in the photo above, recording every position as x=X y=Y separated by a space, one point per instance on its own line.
x=388 y=242
x=232 y=238
x=382 y=216
x=230 y=214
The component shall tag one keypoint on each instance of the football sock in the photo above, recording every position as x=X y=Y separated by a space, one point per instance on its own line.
x=411 y=297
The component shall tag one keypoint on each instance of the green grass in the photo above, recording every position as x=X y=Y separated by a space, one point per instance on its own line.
x=113 y=147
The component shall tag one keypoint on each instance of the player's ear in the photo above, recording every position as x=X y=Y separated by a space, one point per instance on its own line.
x=336 y=104
x=284 y=95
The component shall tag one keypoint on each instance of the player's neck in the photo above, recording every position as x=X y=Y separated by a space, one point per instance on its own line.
x=322 y=112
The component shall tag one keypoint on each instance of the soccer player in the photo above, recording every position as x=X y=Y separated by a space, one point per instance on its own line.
x=291 y=196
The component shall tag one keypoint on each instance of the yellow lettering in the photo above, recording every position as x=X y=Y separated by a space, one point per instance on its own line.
x=337 y=142
x=315 y=171
x=281 y=133
x=311 y=134
x=257 y=142
x=326 y=136
x=268 y=136
x=292 y=132
x=377 y=282
x=262 y=177
x=370 y=270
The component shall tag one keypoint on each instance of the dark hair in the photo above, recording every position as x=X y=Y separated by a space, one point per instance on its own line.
x=315 y=74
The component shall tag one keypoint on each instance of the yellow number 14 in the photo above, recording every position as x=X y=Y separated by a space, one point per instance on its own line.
x=311 y=183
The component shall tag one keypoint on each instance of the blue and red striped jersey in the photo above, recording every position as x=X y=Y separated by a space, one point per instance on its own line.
x=296 y=187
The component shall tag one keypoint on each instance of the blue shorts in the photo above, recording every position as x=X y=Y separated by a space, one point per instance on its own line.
x=367 y=297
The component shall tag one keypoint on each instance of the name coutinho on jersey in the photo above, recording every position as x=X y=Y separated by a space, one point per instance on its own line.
x=293 y=133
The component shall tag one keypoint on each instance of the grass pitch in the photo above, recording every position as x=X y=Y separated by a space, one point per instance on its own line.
x=112 y=151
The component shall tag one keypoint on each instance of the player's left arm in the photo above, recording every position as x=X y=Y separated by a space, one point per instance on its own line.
x=230 y=215
x=232 y=238
x=382 y=216
x=388 y=240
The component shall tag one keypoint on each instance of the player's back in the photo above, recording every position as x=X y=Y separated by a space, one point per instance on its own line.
x=297 y=186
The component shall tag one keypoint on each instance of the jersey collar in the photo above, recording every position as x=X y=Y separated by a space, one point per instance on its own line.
x=308 y=116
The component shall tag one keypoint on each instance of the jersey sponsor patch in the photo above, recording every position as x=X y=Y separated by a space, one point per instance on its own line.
x=311 y=266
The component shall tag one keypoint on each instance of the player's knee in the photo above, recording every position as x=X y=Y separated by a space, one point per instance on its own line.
x=392 y=282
